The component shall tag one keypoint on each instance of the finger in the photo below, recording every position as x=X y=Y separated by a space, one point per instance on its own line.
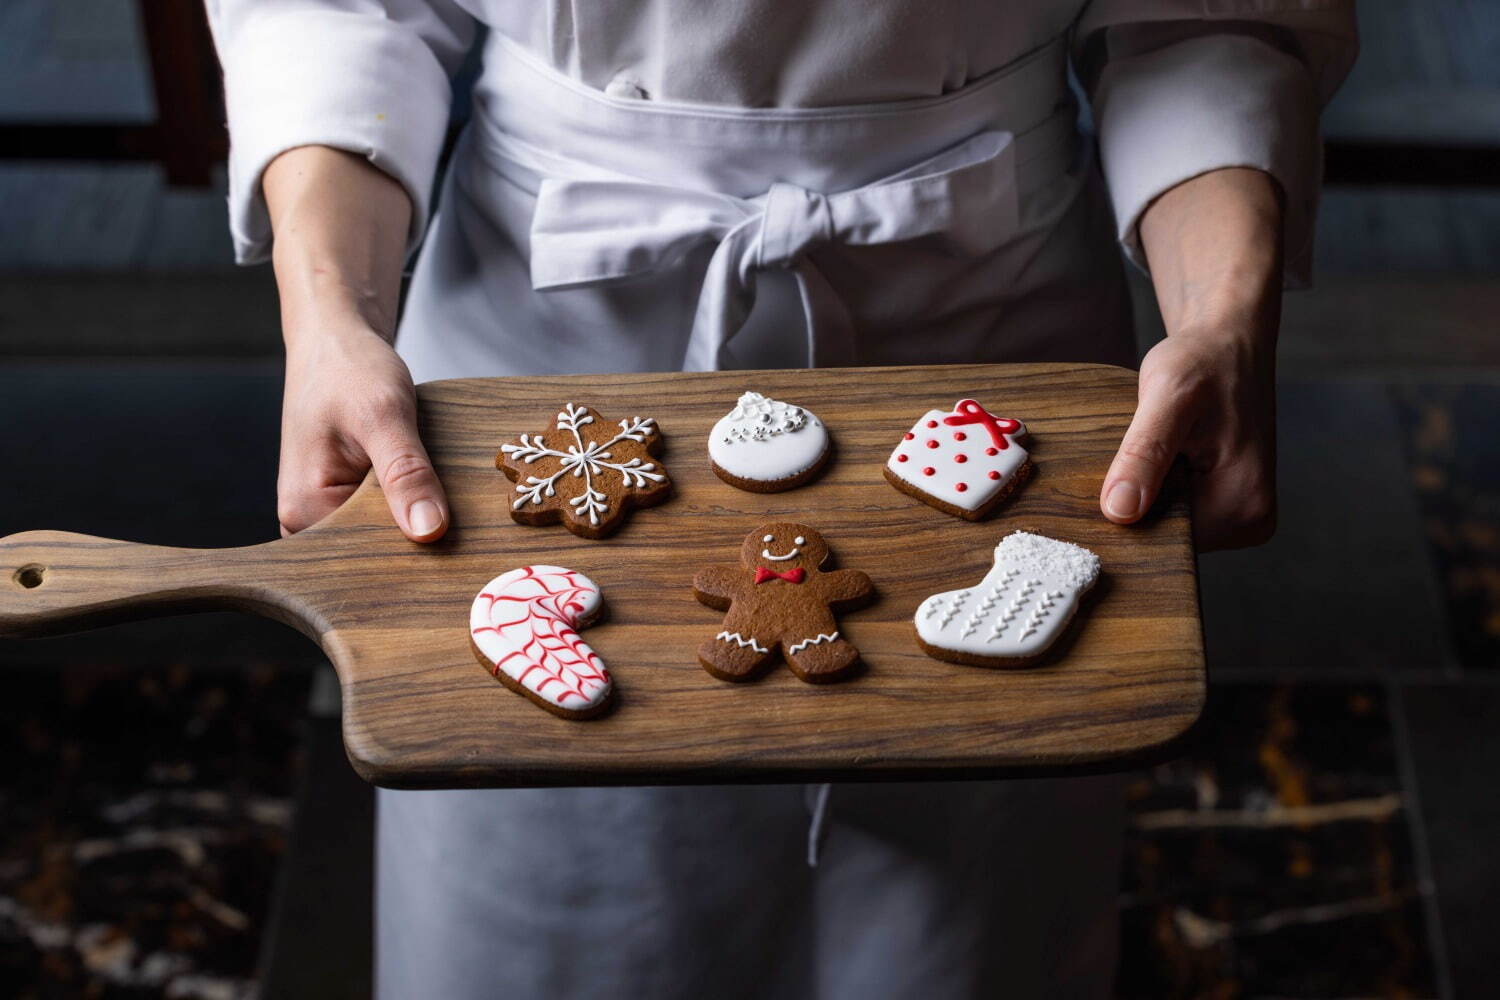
x=1234 y=504
x=1162 y=421
x=300 y=507
x=411 y=486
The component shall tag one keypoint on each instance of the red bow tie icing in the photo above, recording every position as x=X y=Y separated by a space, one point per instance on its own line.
x=970 y=412
x=790 y=576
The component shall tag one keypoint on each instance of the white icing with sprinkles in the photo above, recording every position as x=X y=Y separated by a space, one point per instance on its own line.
x=766 y=440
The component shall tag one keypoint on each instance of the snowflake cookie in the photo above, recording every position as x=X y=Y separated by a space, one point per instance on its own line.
x=1018 y=609
x=585 y=472
x=524 y=629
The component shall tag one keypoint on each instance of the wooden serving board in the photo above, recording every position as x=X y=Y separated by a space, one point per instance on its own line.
x=420 y=711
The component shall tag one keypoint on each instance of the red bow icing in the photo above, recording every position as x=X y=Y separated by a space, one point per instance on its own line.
x=790 y=576
x=967 y=411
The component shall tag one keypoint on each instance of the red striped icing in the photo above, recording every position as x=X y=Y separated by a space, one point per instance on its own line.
x=540 y=649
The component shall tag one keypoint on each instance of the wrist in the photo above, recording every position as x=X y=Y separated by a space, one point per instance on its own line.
x=1214 y=245
x=318 y=303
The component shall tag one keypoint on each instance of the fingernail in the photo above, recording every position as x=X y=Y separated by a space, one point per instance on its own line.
x=424 y=517
x=1123 y=500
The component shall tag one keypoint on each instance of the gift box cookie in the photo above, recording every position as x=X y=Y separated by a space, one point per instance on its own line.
x=964 y=461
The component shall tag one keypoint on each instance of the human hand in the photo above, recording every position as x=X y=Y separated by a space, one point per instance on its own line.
x=340 y=228
x=1210 y=397
x=1208 y=391
x=350 y=406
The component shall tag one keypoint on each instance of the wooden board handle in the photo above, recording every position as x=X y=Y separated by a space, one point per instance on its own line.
x=51 y=581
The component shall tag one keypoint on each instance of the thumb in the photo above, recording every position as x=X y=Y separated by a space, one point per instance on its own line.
x=1155 y=436
x=411 y=486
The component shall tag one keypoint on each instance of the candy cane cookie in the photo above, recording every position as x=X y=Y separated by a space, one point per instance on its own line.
x=524 y=629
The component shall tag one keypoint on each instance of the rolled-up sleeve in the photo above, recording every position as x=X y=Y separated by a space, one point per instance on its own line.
x=368 y=77
x=1183 y=87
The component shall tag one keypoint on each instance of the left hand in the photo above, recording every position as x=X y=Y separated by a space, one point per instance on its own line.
x=1210 y=397
x=1208 y=392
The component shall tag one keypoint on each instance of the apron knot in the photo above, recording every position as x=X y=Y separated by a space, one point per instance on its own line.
x=593 y=230
x=793 y=220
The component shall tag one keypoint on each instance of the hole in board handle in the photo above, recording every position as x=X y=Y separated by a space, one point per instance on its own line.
x=30 y=576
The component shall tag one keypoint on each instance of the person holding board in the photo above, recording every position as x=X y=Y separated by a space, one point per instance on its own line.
x=699 y=184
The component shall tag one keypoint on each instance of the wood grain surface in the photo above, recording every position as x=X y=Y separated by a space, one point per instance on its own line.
x=419 y=711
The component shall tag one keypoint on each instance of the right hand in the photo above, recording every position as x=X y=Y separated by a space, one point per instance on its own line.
x=349 y=407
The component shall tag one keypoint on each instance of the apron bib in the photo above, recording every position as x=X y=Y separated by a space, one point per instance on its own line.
x=580 y=231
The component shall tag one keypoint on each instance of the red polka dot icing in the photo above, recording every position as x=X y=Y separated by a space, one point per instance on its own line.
x=969 y=463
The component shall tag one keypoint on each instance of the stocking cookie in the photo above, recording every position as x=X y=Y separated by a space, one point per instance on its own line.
x=765 y=446
x=1018 y=609
x=963 y=462
x=585 y=472
x=779 y=602
x=524 y=629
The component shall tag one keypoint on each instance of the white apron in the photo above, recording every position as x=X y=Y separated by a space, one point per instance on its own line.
x=581 y=232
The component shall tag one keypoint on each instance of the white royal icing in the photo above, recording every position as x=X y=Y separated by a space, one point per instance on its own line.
x=816 y=640
x=525 y=622
x=1021 y=605
x=766 y=440
x=958 y=455
x=741 y=641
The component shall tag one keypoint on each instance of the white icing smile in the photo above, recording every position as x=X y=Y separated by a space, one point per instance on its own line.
x=766 y=553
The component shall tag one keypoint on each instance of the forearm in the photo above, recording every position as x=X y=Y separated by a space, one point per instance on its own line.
x=340 y=229
x=1214 y=247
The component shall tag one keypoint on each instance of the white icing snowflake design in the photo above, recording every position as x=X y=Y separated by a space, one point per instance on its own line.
x=589 y=460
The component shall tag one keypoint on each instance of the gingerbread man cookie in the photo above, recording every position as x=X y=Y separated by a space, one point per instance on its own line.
x=524 y=626
x=585 y=473
x=779 y=600
x=963 y=462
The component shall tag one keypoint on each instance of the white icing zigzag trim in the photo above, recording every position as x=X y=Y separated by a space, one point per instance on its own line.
x=741 y=641
x=814 y=641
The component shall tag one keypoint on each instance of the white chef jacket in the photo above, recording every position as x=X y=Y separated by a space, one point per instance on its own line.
x=889 y=180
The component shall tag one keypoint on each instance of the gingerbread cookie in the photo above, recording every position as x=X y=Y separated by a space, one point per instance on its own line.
x=963 y=462
x=765 y=446
x=780 y=601
x=524 y=627
x=585 y=473
x=1018 y=609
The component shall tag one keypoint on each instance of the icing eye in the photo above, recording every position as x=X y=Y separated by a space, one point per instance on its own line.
x=767 y=538
x=799 y=540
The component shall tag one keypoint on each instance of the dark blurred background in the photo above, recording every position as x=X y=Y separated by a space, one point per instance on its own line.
x=178 y=817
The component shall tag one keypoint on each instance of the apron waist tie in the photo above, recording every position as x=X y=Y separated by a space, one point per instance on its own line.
x=590 y=231
x=817 y=827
